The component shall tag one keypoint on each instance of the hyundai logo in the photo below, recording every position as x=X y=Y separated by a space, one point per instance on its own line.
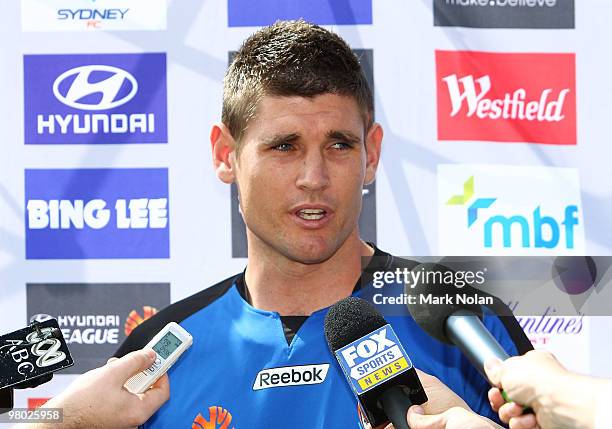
x=74 y=88
x=40 y=318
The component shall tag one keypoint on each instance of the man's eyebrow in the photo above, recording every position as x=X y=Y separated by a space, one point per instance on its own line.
x=279 y=139
x=343 y=135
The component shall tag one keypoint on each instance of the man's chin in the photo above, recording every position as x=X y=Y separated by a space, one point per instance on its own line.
x=310 y=258
x=311 y=253
x=307 y=260
x=309 y=249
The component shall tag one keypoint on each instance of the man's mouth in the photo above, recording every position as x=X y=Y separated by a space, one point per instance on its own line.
x=311 y=214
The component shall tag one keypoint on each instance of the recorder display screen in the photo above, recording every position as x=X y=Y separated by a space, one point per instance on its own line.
x=167 y=345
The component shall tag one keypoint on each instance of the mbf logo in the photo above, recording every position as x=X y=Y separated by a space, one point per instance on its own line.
x=506 y=97
x=505 y=222
x=97 y=213
x=95 y=98
x=370 y=360
x=92 y=316
x=509 y=210
x=247 y=13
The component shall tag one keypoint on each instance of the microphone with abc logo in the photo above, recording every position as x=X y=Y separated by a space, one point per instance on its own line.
x=30 y=356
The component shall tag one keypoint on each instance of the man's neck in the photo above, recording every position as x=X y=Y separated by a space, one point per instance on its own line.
x=276 y=283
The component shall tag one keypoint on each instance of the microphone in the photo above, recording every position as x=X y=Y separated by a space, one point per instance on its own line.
x=29 y=357
x=374 y=362
x=6 y=400
x=436 y=309
x=452 y=321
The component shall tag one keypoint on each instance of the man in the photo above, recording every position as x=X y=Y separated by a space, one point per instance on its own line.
x=298 y=139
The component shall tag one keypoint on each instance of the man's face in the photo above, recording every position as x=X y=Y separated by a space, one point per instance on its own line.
x=300 y=174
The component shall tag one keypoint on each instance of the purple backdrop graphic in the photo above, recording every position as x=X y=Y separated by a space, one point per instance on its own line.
x=97 y=213
x=95 y=99
x=245 y=13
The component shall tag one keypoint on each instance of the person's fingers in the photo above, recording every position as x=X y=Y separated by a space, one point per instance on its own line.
x=445 y=397
x=493 y=369
x=418 y=420
x=162 y=383
x=155 y=397
x=495 y=398
x=131 y=364
x=510 y=410
x=112 y=359
x=527 y=421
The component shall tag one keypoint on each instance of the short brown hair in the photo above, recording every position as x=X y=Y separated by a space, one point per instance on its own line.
x=291 y=58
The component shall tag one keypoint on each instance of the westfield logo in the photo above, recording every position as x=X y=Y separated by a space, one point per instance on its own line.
x=472 y=93
x=506 y=97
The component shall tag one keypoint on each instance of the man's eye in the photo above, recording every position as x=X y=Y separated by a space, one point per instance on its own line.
x=341 y=145
x=283 y=147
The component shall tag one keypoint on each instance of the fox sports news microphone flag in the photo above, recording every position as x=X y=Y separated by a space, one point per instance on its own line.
x=496 y=142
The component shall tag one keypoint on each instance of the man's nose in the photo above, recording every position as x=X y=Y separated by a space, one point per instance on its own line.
x=314 y=172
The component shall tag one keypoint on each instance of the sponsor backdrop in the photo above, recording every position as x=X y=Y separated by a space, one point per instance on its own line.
x=496 y=143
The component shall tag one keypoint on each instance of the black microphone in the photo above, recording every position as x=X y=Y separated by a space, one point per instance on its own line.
x=6 y=400
x=440 y=308
x=29 y=357
x=374 y=362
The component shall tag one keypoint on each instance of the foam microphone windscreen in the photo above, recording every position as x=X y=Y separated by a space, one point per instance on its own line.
x=374 y=362
x=363 y=317
x=431 y=314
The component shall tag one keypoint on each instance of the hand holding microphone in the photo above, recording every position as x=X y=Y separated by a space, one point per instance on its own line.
x=449 y=321
x=455 y=324
x=374 y=361
x=441 y=397
x=559 y=398
x=444 y=410
x=453 y=418
x=98 y=397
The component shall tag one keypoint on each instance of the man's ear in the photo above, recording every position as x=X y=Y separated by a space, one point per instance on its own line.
x=373 y=143
x=223 y=148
